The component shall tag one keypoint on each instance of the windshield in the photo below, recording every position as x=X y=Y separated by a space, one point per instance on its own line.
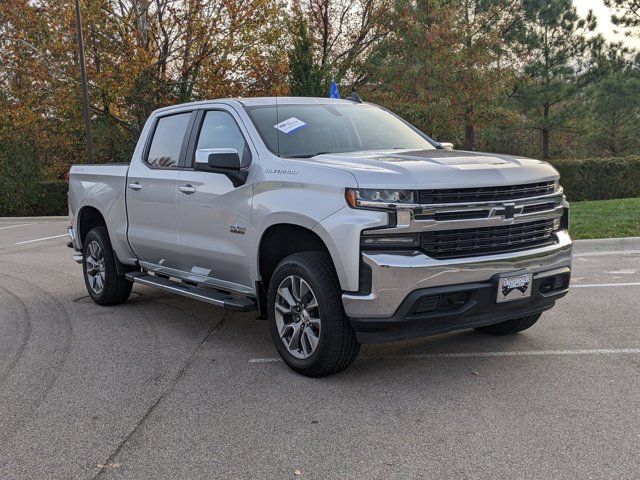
x=300 y=131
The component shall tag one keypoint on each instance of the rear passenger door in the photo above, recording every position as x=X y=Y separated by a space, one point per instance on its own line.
x=213 y=214
x=152 y=192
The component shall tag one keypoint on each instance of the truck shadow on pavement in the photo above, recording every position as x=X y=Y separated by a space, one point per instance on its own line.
x=243 y=339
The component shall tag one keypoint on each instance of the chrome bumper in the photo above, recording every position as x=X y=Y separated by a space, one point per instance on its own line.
x=77 y=257
x=74 y=237
x=396 y=275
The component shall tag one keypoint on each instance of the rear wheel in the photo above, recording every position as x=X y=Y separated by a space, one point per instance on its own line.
x=101 y=277
x=511 y=326
x=306 y=320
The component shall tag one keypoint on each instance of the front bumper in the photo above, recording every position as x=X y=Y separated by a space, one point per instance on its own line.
x=395 y=276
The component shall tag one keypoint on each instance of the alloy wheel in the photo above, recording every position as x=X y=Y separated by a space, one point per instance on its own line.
x=297 y=317
x=94 y=265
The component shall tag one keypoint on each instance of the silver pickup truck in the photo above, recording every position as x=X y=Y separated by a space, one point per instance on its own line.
x=336 y=220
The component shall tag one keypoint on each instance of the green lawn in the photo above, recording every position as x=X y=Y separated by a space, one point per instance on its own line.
x=606 y=218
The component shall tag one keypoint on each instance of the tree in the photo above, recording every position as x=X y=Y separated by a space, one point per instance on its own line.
x=344 y=32
x=626 y=12
x=555 y=50
x=441 y=67
x=141 y=55
x=306 y=77
x=613 y=103
x=483 y=26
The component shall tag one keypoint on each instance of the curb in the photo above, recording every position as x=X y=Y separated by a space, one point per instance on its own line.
x=624 y=244
x=33 y=219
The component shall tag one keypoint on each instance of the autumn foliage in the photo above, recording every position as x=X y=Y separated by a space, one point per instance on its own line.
x=517 y=76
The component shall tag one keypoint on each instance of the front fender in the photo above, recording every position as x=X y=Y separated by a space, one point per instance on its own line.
x=340 y=232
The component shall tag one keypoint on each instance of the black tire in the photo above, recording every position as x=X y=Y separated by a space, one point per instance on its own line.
x=511 y=326
x=337 y=347
x=116 y=288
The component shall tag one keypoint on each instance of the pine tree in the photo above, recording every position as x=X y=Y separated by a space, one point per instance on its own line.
x=555 y=48
x=613 y=104
x=627 y=12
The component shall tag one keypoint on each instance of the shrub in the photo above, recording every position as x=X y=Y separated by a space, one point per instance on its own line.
x=19 y=178
x=600 y=178
x=22 y=190
x=52 y=198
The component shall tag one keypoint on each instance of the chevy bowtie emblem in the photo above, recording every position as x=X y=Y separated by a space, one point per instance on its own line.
x=509 y=210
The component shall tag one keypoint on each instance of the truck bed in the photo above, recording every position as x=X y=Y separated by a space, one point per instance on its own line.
x=102 y=186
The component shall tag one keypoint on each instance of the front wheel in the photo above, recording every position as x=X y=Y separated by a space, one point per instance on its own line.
x=101 y=277
x=306 y=320
x=511 y=326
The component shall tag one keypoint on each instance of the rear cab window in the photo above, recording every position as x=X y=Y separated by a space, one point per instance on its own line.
x=168 y=137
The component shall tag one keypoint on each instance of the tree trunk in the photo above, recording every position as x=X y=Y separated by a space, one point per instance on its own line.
x=613 y=137
x=545 y=133
x=545 y=143
x=469 y=129
x=141 y=12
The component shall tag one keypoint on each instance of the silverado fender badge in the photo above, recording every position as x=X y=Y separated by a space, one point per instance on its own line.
x=237 y=229
x=281 y=171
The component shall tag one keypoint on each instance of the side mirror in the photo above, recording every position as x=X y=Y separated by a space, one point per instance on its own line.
x=446 y=145
x=225 y=161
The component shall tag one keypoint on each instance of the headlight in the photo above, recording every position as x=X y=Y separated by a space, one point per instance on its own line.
x=379 y=198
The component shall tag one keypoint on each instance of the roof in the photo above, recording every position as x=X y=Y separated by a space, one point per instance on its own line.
x=253 y=101
x=258 y=101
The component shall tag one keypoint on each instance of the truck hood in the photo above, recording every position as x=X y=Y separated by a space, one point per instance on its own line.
x=422 y=169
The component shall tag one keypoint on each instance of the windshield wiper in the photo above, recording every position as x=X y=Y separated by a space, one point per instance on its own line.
x=308 y=155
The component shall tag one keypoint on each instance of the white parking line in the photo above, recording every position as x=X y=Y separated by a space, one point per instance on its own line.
x=41 y=239
x=598 y=285
x=16 y=226
x=520 y=353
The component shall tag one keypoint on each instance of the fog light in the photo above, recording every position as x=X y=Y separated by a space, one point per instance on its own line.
x=556 y=224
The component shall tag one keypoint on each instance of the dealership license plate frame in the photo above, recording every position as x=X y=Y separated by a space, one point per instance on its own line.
x=514 y=286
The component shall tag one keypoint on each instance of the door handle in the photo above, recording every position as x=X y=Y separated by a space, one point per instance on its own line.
x=135 y=186
x=187 y=189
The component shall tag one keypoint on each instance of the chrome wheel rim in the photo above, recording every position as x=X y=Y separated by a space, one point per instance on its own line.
x=297 y=317
x=94 y=266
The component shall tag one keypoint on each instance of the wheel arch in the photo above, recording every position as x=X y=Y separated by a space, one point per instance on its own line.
x=272 y=249
x=89 y=217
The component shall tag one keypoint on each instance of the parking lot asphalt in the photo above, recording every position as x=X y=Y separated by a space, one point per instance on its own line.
x=165 y=387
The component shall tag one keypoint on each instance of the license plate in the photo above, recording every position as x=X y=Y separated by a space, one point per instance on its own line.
x=514 y=287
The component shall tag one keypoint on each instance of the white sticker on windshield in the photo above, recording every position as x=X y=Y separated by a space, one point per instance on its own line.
x=290 y=125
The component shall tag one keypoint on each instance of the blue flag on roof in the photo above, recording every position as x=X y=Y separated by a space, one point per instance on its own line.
x=334 y=93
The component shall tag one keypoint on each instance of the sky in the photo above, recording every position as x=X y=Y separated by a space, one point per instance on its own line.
x=603 y=14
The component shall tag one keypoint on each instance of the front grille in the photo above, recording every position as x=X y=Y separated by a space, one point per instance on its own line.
x=539 y=207
x=487 y=240
x=486 y=194
x=463 y=215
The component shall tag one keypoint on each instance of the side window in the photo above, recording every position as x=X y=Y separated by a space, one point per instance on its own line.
x=166 y=144
x=220 y=130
